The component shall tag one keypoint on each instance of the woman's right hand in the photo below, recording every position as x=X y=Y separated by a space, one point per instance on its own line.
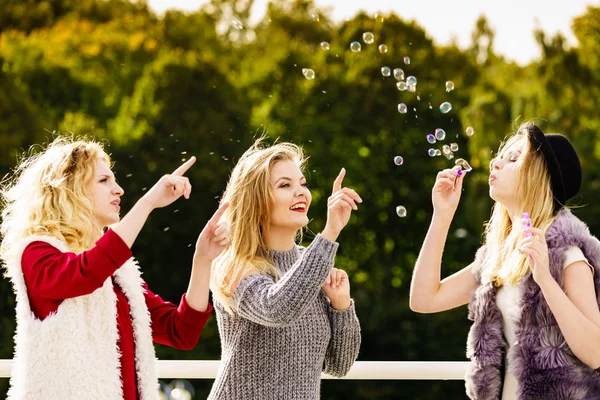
x=170 y=187
x=339 y=207
x=447 y=190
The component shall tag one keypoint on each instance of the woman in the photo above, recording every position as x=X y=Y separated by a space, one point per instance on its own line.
x=531 y=291
x=85 y=318
x=284 y=313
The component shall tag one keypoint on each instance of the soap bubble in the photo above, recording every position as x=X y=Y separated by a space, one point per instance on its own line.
x=431 y=138
x=449 y=86
x=237 y=24
x=401 y=211
x=440 y=134
x=470 y=131
x=432 y=152
x=315 y=17
x=386 y=71
x=308 y=73
x=445 y=107
x=398 y=160
x=407 y=60
x=399 y=74
x=401 y=85
x=355 y=47
x=325 y=45
x=368 y=37
x=454 y=147
x=402 y=109
x=461 y=162
x=411 y=80
x=383 y=48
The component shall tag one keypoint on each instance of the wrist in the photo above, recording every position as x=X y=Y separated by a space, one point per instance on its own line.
x=341 y=304
x=443 y=216
x=145 y=204
x=330 y=234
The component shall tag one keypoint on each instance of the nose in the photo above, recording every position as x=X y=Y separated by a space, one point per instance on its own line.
x=118 y=190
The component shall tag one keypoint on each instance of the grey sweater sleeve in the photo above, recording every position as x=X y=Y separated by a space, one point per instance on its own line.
x=261 y=299
x=345 y=341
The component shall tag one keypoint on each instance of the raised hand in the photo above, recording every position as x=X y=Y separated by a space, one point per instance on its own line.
x=339 y=207
x=337 y=289
x=214 y=237
x=447 y=190
x=171 y=187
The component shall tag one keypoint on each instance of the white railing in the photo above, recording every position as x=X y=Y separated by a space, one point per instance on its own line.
x=395 y=370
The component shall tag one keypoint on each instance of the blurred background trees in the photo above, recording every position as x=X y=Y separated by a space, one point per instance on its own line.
x=160 y=89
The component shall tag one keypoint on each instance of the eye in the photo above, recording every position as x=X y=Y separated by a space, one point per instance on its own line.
x=103 y=180
x=284 y=185
x=305 y=184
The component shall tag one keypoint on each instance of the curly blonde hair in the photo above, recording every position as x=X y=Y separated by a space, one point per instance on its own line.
x=48 y=194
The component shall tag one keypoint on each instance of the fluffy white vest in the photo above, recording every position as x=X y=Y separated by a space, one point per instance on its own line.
x=73 y=354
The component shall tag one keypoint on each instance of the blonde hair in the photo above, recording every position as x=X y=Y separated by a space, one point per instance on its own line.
x=49 y=194
x=534 y=195
x=250 y=198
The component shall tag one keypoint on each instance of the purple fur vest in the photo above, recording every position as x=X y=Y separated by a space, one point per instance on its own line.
x=541 y=359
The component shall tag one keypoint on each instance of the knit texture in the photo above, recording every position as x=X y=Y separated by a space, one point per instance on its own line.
x=541 y=359
x=284 y=332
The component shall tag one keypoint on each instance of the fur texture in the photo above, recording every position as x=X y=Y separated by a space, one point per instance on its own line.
x=73 y=353
x=541 y=359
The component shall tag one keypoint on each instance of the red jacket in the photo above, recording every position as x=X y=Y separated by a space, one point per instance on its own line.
x=52 y=276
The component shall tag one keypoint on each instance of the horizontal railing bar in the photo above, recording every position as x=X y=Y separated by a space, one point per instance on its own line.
x=372 y=370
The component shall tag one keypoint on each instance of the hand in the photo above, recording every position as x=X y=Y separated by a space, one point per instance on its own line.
x=214 y=237
x=339 y=207
x=536 y=249
x=337 y=289
x=447 y=190
x=170 y=187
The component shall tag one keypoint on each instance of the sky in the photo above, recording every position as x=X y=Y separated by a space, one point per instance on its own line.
x=512 y=20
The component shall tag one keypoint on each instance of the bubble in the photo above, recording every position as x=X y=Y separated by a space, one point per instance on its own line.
x=355 y=47
x=402 y=109
x=447 y=152
x=411 y=80
x=419 y=97
x=461 y=162
x=368 y=37
x=401 y=86
x=449 y=86
x=237 y=24
x=166 y=229
x=440 y=134
x=401 y=211
x=399 y=74
x=386 y=71
x=411 y=88
x=470 y=131
x=325 y=45
x=308 y=73
x=445 y=107
x=438 y=152
x=184 y=152
x=129 y=175
x=431 y=138
x=383 y=48
x=454 y=147
x=461 y=233
x=432 y=152
x=407 y=60
x=315 y=17
x=398 y=160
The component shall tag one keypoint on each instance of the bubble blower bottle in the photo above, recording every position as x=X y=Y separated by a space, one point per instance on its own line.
x=526 y=223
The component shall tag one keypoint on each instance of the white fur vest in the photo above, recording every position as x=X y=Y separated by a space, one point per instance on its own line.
x=73 y=354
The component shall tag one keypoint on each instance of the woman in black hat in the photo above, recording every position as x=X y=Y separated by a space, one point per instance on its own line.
x=532 y=288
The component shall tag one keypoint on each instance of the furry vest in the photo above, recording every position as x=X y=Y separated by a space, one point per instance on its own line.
x=542 y=361
x=73 y=354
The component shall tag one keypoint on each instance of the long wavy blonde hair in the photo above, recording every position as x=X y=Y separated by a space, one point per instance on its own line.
x=250 y=198
x=49 y=194
x=534 y=195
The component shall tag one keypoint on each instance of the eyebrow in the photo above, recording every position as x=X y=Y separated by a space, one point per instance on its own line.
x=288 y=179
x=105 y=176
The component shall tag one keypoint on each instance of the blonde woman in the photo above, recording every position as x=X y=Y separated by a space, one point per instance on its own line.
x=531 y=290
x=85 y=317
x=284 y=313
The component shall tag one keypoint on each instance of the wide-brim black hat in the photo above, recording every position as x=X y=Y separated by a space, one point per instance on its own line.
x=561 y=159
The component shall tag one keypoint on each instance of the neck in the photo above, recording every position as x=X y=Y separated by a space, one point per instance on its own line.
x=281 y=239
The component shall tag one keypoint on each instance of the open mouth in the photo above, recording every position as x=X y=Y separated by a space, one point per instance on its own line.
x=299 y=207
x=116 y=204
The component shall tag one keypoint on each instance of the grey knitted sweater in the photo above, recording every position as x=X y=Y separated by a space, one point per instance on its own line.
x=284 y=332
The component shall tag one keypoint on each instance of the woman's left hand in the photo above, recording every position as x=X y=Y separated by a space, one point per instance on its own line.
x=536 y=249
x=337 y=288
x=214 y=237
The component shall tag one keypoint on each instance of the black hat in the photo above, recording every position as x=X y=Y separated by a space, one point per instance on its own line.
x=561 y=159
